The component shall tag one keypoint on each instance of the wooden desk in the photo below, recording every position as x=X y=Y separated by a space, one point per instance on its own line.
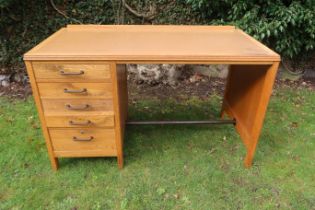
x=78 y=77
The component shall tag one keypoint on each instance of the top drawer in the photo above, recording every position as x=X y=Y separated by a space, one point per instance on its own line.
x=71 y=72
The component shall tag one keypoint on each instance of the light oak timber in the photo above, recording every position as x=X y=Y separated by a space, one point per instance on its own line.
x=123 y=94
x=149 y=27
x=246 y=99
x=86 y=153
x=52 y=157
x=57 y=90
x=196 y=62
x=72 y=71
x=60 y=106
x=102 y=142
x=102 y=52
x=90 y=120
x=149 y=43
x=120 y=100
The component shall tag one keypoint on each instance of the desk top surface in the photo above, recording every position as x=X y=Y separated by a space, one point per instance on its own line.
x=130 y=43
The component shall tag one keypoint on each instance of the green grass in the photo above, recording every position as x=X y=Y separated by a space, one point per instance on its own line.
x=167 y=167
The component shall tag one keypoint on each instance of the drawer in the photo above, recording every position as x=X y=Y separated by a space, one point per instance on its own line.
x=71 y=72
x=76 y=106
x=83 y=142
x=91 y=120
x=75 y=90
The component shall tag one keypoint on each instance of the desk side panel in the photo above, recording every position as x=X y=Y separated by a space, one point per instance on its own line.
x=30 y=71
x=120 y=99
x=246 y=99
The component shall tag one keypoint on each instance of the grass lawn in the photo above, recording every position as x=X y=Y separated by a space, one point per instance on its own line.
x=167 y=167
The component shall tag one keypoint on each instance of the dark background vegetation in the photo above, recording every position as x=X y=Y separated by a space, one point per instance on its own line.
x=286 y=26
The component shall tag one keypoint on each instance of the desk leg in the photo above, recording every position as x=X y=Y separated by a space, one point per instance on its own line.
x=52 y=157
x=120 y=100
x=246 y=98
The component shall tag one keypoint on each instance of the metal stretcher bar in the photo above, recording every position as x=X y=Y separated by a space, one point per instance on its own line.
x=184 y=122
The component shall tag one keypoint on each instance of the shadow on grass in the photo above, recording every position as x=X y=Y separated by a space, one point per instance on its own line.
x=141 y=142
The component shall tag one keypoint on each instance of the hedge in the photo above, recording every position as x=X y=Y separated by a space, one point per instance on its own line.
x=286 y=26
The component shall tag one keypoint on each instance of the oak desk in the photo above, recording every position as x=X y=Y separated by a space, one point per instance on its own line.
x=78 y=78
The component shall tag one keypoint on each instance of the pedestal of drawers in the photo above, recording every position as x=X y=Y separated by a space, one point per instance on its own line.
x=82 y=107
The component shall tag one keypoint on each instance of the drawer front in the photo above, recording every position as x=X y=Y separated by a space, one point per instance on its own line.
x=76 y=106
x=71 y=71
x=80 y=121
x=75 y=90
x=83 y=142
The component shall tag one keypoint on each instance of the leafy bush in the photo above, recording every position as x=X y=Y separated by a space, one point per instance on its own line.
x=286 y=26
x=24 y=23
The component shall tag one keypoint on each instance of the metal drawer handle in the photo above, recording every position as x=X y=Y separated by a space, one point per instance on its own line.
x=83 y=90
x=82 y=139
x=77 y=107
x=62 y=72
x=88 y=122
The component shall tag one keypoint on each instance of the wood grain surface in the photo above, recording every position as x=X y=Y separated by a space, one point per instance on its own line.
x=80 y=120
x=102 y=52
x=66 y=71
x=80 y=106
x=93 y=90
x=151 y=43
x=103 y=141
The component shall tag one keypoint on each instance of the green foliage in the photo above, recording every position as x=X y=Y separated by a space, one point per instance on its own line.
x=5 y=3
x=286 y=26
x=24 y=24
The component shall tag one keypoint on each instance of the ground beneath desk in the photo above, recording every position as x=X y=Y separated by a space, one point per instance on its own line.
x=201 y=88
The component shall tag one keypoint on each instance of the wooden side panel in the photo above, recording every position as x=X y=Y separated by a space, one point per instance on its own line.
x=53 y=159
x=123 y=94
x=120 y=100
x=246 y=99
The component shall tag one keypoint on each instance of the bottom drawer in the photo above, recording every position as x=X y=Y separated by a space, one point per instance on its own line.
x=83 y=142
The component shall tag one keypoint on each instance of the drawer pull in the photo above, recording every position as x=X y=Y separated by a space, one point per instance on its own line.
x=88 y=122
x=82 y=139
x=62 y=72
x=77 y=107
x=83 y=90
